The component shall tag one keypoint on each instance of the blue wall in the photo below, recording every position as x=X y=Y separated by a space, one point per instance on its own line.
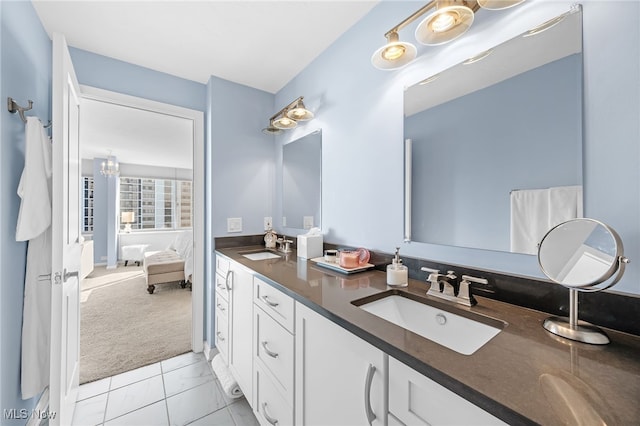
x=359 y=109
x=25 y=69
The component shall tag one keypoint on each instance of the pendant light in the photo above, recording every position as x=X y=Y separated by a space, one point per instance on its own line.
x=110 y=167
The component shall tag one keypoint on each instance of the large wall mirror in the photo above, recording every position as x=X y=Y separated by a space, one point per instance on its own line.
x=301 y=182
x=509 y=119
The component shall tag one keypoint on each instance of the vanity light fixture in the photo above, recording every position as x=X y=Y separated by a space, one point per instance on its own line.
x=110 y=167
x=448 y=20
x=288 y=117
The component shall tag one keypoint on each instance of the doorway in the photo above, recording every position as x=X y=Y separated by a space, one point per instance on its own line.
x=144 y=158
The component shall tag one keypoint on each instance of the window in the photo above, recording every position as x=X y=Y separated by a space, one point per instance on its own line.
x=87 y=204
x=156 y=203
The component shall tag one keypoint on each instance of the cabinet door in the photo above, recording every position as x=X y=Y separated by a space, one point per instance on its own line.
x=241 y=327
x=222 y=326
x=417 y=400
x=340 y=378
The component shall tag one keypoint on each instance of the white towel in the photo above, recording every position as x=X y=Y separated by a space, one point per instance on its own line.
x=529 y=219
x=34 y=225
x=535 y=211
x=228 y=383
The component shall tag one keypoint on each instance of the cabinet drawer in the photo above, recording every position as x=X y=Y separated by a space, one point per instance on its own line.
x=221 y=286
x=222 y=265
x=222 y=336
x=417 y=400
x=274 y=348
x=274 y=302
x=270 y=406
x=222 y=306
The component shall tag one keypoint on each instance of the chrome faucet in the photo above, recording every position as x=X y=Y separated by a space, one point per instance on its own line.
x=285 y=245
x=446 y=286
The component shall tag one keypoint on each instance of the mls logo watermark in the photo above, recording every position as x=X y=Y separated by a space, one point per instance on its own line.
x=24 y=414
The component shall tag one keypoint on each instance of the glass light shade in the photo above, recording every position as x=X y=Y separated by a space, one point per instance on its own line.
x=271 y=130
x=300 y=113
x=394 y=55
x=284 y=123
x=444 y=25
x=498 y=4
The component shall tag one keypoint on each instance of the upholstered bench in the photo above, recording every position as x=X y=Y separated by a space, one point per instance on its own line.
x=163 y=267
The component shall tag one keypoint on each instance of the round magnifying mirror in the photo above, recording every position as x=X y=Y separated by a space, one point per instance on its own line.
x=580 y=253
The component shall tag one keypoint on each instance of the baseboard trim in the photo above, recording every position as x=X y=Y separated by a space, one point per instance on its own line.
x=38 y=415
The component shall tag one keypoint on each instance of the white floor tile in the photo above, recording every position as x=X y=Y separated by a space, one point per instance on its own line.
x=90 y=412
x=151 y=415
x=136 y=375
x=222 y=417
x=242 y=413
x=194 y=403
x=181 y=361
x=132 y=397
x=94 y=388
x=187 y=377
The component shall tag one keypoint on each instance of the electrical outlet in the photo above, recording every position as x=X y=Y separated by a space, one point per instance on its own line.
x=307 y=222
x=268 y=223
x=234 y=224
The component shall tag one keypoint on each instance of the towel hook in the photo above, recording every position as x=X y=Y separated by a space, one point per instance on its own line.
x=13 y=107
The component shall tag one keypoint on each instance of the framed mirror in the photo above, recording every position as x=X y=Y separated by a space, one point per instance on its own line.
x=302 y=182
x=479 y=133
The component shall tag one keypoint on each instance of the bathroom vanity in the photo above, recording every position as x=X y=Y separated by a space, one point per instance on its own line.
x=318 y=357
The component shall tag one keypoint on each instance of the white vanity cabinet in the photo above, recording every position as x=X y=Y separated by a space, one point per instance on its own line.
x=340 y=379
x=221 y=332
x=240 y=360
x=415 y=399
x=273 y=350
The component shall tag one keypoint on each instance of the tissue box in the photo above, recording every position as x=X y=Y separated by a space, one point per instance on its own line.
x=309 y=246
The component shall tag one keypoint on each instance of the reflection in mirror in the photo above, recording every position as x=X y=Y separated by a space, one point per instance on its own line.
x=582 y=255
x=301 y=182
x=493 y=138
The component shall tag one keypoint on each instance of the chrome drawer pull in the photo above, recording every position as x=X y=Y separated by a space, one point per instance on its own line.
x=219 y=336
x=270 y=419
x=220 y=307
x=269 y=302
x=226 y=280
x=271 y=354
x=371 y=416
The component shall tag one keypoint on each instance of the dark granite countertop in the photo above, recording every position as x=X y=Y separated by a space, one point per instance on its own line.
x=523 y=375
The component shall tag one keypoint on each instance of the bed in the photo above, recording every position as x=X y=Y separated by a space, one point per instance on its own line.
x=175 y=264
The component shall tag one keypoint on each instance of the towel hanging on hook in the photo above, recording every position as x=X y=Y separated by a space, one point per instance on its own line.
x=13 y=107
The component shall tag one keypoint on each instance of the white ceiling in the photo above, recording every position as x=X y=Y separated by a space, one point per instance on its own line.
x=261 y=44
x=240 y=41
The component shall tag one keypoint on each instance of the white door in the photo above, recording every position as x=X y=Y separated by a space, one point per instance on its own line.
x=65 y=233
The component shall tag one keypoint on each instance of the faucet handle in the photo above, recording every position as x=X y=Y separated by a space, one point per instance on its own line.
x=464 y=294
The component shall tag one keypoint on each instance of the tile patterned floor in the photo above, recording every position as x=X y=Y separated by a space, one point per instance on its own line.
x=179 y=391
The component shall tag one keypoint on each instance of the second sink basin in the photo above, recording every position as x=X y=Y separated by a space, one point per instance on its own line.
x=456 y=332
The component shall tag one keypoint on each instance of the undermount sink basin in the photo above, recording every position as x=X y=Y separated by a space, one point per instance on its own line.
x=456 y=332
x=259 y=254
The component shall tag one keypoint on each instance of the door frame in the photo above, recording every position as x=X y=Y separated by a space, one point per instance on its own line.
x=197 y=118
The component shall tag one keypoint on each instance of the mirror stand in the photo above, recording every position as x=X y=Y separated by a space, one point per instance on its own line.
x=573 y=329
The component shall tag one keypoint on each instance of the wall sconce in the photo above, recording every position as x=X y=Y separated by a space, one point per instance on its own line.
x=288 y=117
x=448 y=20
x=127 y=218
x=110 y=167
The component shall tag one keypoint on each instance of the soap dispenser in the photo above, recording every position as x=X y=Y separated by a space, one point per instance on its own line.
x=397 y=273
x=270 y=239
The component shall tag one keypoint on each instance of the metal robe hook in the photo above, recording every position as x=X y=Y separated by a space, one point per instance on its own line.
x=13 y=107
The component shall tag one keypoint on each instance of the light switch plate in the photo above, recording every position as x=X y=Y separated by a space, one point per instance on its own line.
x=268 y=223
x=234 y=224
x=284 y=221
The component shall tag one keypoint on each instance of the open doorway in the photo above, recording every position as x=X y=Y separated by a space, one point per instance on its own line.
x=151 y=206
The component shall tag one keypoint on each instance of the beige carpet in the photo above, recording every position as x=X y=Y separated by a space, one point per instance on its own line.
x=122 y=327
